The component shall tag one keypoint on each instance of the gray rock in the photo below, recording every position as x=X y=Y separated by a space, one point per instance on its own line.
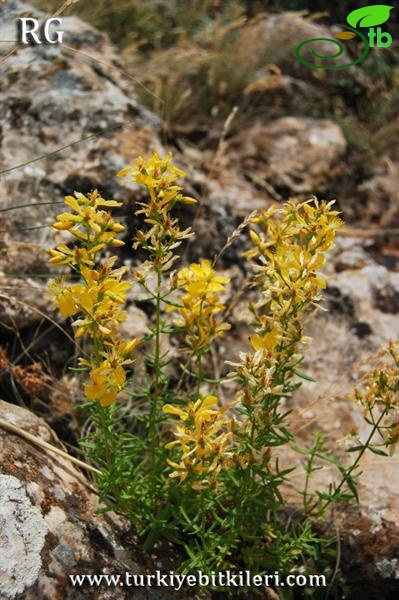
x=382 y=195
x=22 y=533
x=50 y=97
x=49 y=527
x=293 y=153
x=54 y=96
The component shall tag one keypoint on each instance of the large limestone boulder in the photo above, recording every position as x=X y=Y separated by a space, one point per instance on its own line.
x=73 y=95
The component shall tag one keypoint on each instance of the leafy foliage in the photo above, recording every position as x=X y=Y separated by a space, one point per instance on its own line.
x=206 y=476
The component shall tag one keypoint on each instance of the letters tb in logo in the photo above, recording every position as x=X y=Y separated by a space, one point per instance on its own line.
x=30 y=31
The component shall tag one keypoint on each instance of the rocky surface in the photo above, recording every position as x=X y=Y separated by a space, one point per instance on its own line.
x=55 y=96
x=292 y=154
x=347 y=342
x=382 y=195
x=369 y=553
x=49 y=528
x=22 y=303
x=84 y=97
x=48 y=523
x=79 y=92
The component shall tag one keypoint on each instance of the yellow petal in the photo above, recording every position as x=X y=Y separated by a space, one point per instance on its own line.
x=66 y=305
x=72 y=202
x=108 y=398
x=174 y=410
x=91 y=391
x=209 y=401
x=126 y=171
x=130 y=346
x=120 y=375
x=63 y=225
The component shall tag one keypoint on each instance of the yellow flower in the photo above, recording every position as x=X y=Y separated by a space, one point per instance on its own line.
x=200 y=304
x=64 y=298
x=158 y=174
x=196 y=410
x=98 y=296
x=106 y=382
x=203 y=441
x=266 y=341
x=288 y=250
x=116 y=290
x=199 y=279
x=89 y=224
x=155 y=169
x=73 y=256
x=163 y=234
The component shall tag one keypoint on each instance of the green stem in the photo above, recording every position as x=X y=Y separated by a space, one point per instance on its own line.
x=204 y=545
x=309 y=470
x=104 y=440
x=348 y=473
x=157 y=375
x=246 y=486
x=199 y=375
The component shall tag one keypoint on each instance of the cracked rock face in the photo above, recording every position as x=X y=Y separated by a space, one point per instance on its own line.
x=22 y=534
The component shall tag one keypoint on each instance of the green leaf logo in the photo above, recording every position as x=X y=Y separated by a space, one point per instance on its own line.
x=369 y=16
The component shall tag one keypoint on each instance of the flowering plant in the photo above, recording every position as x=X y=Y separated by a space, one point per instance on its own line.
x=185 y=466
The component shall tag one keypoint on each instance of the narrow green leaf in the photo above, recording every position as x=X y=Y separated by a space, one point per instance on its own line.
x=355 y=449
x=378 y=451
x=352 y=486
x=303 y=375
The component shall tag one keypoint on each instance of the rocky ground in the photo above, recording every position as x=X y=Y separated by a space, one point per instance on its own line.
x=79 y=97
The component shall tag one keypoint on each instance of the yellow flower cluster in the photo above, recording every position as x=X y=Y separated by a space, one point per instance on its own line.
x=164 y=234
x=203 y=438
x=94 y=227
x=380 y=394
x=289 y=246
x=260 y=378
x=289 y=249
x=97 y=298
x=200 y=304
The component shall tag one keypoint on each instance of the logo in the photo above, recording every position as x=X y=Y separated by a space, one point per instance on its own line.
x=30 y=31
x=368 y=16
